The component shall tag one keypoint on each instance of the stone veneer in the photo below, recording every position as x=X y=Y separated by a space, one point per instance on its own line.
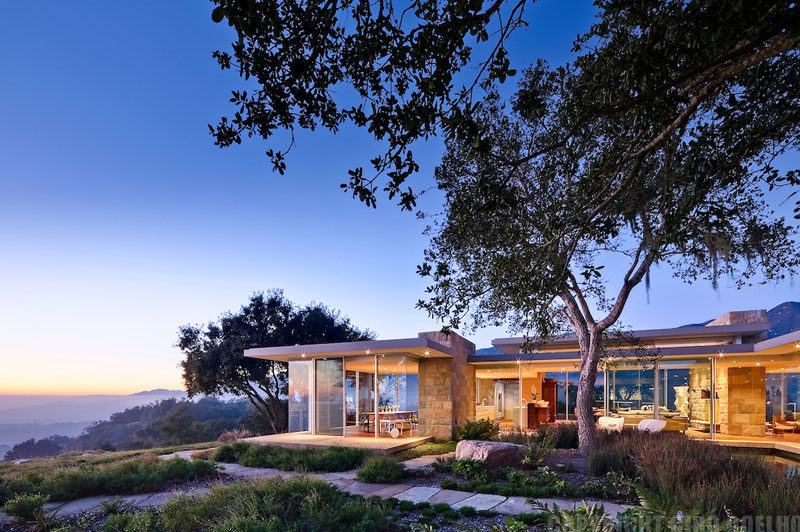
x=746 y=409
x=446 y=387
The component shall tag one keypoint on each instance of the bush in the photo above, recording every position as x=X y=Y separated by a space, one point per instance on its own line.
x=26 y=507
x=697 y=474
x=428 y=513
x=334 y=458
x=230 y=436
x=443 y=465
x=441 y=507
x=422 y=505
x=451 y=514
x=297 y=504
x=449 y=484
x=615 y=486
x=537 y=449
x=469 y=468
x=116 y=523
x=136 y=475
x=147 y=521
x=406 y=506
x=482 y=429
x=533 y=519
x=381 y=470
x=467 y=511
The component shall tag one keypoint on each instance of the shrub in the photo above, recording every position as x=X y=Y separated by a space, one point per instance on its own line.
x=422 y=505
x=467 y=511
x=565 y=434
x=537 y=449
x=26 y=507
x=297 y=504
x=116 y=523
x=533 y=519
x=482 y=429
x=230 y=454
x=334 y=458
x=428 y=513
x=230 y=436
x=449 y=484
x=147 y=521
x=615 y=486
x=381 y=470
x=451 y=514
x=469 y=468
x=486 y=513
x=443 y=465
x=441 y=507
x=580 y=519
x=406 y=506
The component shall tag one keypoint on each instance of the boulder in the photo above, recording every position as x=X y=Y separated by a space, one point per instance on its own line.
x=493 y=453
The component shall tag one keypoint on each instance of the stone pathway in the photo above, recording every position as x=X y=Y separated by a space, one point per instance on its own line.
x=345 y=481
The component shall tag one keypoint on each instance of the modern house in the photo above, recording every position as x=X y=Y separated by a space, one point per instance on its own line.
x=721 y=378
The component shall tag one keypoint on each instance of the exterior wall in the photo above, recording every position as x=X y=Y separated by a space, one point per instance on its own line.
x=747 y=410
x=700 y=397
x=446 y=387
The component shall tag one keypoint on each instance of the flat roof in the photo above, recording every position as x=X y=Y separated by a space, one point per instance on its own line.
x=514 y=345
x=417 y=347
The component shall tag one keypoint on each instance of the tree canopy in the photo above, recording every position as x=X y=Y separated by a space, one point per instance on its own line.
x=656 y=146
x=214 y=360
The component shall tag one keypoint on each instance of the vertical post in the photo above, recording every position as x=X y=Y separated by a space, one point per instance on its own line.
x=344 y=400
x=312 y=400
x=519 y=395
x=375 y=398
x=712 y=426
x=358 y=400
x=566 y=396
x=656 y=390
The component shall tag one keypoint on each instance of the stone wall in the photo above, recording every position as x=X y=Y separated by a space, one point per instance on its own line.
x=700 y=397
x=446 y=387
x=747 y=410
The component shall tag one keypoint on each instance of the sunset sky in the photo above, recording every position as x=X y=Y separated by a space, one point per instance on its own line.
x=120 y=220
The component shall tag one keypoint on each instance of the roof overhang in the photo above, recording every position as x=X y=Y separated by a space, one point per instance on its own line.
x=676 y=334
x=785 y=343
x=672 y=352
x=415 y=347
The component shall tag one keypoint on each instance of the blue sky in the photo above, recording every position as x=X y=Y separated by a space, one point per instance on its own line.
x=120 y=220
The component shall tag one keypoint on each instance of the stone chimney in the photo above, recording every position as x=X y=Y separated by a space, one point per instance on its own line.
x=446 y=387
x=740 y=317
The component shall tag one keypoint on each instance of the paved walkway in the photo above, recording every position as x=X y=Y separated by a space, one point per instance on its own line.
x=345 y=481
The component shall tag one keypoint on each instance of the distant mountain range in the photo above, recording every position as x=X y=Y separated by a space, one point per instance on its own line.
x=37 y=416
x=783 y=319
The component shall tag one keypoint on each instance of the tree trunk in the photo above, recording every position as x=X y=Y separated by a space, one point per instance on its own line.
x=587 y=432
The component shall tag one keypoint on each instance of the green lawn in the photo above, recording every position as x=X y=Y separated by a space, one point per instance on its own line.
x=430 y=448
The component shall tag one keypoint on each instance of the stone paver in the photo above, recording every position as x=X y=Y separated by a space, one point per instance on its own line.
x=514 y=506
x=364 y=489
x=239 y=471
x=391 y=491
x=342 y=483
x=450 y=496
x=480 y=501
x=351 y=474
x=418 y=494
x=424 y=461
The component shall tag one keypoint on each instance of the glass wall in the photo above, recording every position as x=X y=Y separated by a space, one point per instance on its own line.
x=631 y=389
x=299 y=396
x=398 y=383
x=783 y=397
x=329 y=396
x=684 y=394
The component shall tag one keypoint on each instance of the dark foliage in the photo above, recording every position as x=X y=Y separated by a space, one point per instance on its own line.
x=214 y=361
x=33 y=448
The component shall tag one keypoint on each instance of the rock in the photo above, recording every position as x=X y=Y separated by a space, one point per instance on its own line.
x=493 y=453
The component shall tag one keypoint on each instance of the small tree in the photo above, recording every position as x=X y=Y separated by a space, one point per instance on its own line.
x=214 y=360
x=655 y=147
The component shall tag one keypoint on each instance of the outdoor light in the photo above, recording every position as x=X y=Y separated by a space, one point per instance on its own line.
x=366 y=351
x=302 y=355
x=427 y=353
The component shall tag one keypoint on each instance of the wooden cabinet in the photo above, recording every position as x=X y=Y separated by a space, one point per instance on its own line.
x=549 y=394
x=537 y=415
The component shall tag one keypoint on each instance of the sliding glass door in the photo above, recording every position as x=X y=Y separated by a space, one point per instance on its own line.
x=329 y=397
x=299 y=396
